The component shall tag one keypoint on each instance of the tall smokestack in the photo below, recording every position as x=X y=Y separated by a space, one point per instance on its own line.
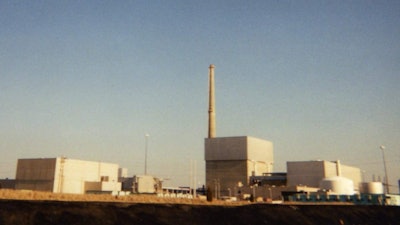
x=211 y=103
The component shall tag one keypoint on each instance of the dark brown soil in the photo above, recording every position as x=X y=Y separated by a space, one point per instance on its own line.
x=56 y=212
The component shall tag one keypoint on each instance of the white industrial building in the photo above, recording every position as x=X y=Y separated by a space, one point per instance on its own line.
x=63 y=175
x=312 y=173
x=146 y=184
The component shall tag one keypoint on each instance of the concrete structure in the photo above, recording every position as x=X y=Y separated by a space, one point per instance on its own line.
x=311 y=173
x=63 y=175
x=231 y=161
x=142 y=184
x=145 y=184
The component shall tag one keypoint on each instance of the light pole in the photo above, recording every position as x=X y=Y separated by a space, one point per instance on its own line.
x=215 y=189
x=146 y=136
x=384 y=165
x=217 y=184
x=254 y=192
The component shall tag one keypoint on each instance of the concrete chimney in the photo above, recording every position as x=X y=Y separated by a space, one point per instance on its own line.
x=211 y=103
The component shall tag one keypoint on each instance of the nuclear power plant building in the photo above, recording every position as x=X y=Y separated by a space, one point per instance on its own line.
x=240 y=165
x=230 y=161
x=64 y=175
x=311 y=173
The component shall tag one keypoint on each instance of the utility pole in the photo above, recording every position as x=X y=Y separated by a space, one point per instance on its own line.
x=384 y=165
x=193 y=178
x=146 y=136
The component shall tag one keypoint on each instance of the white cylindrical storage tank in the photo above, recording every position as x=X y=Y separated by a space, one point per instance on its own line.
x=371 y=188
x=338 y=185
x=375 y=188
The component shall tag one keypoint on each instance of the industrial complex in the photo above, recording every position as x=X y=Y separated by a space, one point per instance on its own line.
x=237 y=168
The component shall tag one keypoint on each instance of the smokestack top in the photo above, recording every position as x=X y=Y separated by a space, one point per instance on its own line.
x=211 y=104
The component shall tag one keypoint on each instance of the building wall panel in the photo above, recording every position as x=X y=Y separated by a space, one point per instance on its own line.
x=35 y=174
x=226 y=174
x=260 y=150
x=309 y=173
x=226 y=148
x=77 y=172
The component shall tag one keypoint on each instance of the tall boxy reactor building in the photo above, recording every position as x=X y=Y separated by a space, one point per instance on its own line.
x=231 y=161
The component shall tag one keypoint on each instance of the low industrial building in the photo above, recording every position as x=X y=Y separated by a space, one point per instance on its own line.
x=64 y=175
x=141 y=184
x=7 y=183
x=312 y=173
x=146 y=184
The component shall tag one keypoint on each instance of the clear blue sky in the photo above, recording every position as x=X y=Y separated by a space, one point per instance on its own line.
x=88 y=79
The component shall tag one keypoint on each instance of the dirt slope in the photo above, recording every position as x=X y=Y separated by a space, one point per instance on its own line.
x=61 y=212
